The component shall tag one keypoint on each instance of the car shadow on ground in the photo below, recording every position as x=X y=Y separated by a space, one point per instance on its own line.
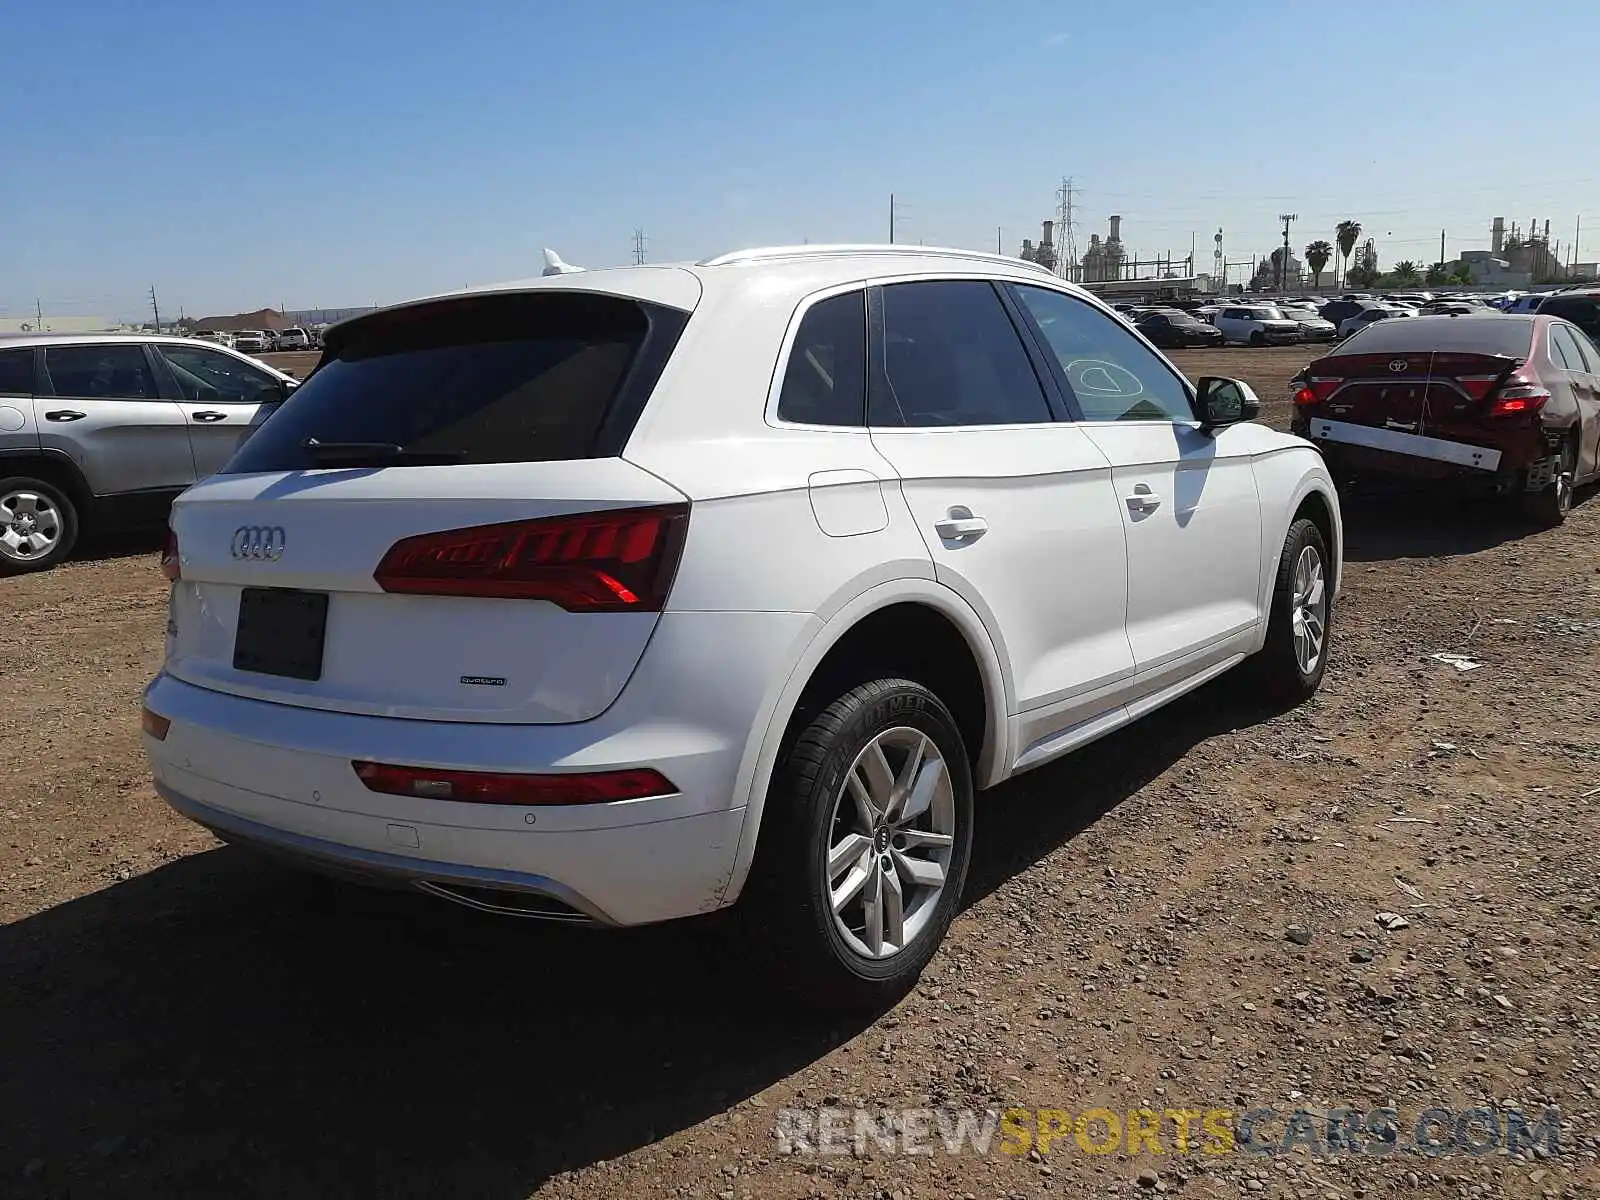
x=123 y=544
x=221 y=1026
x=1386 y=523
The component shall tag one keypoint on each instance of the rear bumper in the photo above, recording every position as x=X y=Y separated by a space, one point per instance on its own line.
x=281 y=777
x=1409 y=445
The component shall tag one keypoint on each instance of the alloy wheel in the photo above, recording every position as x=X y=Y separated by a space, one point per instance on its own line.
x=30 y=526
x=1309 y=617
x=890 y=840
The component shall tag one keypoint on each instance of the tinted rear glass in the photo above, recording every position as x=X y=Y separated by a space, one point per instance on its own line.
x=481 y=380
x=1510 y=336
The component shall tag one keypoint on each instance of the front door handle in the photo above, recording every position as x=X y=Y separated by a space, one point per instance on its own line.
x=1143 y=499
x=65 y=414
x=961 y=525
x=209 y=416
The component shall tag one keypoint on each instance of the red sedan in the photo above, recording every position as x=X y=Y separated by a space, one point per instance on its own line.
x=1507 y=403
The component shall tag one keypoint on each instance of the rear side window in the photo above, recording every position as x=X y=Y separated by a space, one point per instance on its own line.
x=499 y=379
x=951 y=356
x=825 y=382
x=16 y=372
x=100 y=372
x=1564 y=346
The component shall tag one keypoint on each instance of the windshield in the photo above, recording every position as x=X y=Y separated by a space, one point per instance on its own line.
x=1265 y=314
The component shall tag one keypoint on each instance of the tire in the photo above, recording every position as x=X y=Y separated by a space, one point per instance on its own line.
x=835 y=960
x=1258 y=338
x=1301 y=591
x=38 y=525
x=1549 y=506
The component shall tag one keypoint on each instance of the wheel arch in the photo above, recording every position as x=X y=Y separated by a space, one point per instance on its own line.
x=875 y=604
x=51 y=466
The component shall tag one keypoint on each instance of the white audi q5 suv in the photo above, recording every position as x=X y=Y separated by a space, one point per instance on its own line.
x=627 y=595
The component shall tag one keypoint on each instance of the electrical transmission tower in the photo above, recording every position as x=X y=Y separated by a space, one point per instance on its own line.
x=639 y=243
x=1283 y=269
x=1066 y=230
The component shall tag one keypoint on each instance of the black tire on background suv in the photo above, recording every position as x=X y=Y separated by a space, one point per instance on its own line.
x=38 y=525
x=872 y=802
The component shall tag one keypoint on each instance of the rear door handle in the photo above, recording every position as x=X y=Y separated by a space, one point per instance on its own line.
x=209 y=416
x=1143 y=499
x=961 y=525
x=65 y=414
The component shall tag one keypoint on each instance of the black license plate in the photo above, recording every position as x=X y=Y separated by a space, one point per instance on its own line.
x=281 y=632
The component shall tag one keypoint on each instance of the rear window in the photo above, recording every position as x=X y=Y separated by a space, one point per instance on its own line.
x=529 y=378
x=1509 y=336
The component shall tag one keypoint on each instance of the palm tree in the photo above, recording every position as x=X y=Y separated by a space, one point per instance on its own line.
x=1407 y=273
x=1317 y=255
x=1347 y=233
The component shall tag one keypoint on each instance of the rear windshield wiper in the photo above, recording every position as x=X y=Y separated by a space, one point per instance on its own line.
x=375 y=454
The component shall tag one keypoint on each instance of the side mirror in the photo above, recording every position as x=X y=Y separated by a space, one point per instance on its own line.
x=1226 y=402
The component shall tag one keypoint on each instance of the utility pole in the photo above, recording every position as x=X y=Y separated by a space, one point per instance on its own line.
x=1577 y=232
x=891 y=218
x=1441 y=249
x=155 y=307
x=1283 y=267
x=997 y=248
x=38 y=316
x=639 y=241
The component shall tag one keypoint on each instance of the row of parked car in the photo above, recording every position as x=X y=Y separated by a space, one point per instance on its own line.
x=1315 y=319
x=263 y=341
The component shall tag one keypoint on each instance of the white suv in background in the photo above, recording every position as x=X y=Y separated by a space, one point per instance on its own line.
x=628 y=595
x=1256 y=325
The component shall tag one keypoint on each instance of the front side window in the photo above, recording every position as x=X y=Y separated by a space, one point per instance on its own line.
x=100 y=372
x=951 y=356
x=1113 y=375
x=212 y=375
x=825 y=382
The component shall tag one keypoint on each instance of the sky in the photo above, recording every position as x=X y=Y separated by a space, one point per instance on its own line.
x=354 y=152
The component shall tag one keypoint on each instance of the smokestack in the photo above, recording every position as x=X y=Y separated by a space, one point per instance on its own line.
x=1498 y=239
x=1116 y=229
x=1049 y=227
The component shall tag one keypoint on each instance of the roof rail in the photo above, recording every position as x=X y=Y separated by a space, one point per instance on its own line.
x=769 y=253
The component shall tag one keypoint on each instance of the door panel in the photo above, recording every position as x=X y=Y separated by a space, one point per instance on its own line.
x=1577 y=361
x=1015 y=507
x=1023 y=523
x=1193 y=520
x=107 y=415
x=224 y=398
x=1186 y=499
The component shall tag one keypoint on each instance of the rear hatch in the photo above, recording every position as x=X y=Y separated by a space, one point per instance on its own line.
x=438 y=523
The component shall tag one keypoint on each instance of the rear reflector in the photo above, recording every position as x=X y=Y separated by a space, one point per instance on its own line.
x=492 y=787
x=618 y=561
x=154 y=724
x=170 y=567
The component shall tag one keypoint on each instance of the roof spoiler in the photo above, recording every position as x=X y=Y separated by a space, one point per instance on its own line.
x=554 y=266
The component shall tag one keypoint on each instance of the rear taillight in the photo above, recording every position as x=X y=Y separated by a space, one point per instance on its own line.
x=618 y=561
x=1524 y=392
x=154 y=724
x=495 y=787
x=170 y=567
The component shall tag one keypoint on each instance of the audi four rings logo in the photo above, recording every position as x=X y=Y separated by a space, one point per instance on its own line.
x=261 y=542
x=1398 y=365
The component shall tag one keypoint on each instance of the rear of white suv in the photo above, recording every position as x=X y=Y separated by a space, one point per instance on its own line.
x=605 y=597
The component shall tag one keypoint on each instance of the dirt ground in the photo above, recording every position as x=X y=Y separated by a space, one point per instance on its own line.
x=178 y=1018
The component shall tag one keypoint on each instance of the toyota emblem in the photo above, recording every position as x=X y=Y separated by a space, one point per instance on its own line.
x=262 y=543
x=1398 y=365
